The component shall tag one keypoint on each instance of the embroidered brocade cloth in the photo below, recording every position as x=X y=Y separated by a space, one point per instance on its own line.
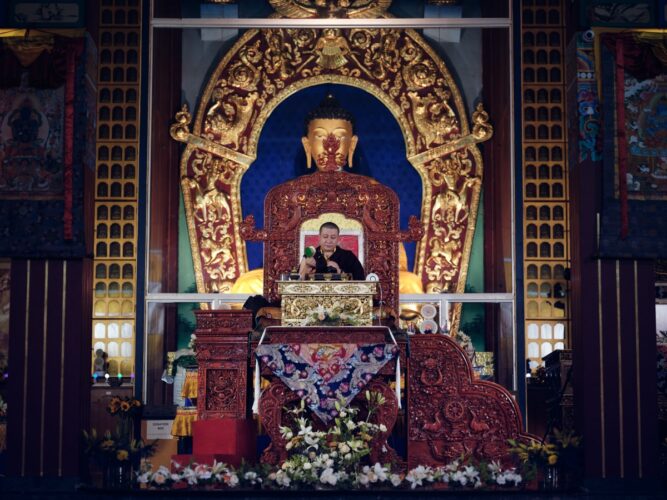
x=322 y=374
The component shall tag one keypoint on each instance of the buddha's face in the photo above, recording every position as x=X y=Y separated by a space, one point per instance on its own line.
x=330 y=142
x=328 y=239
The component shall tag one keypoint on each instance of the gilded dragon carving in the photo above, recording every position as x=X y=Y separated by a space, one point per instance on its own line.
x=433 y=117
x=229 y=117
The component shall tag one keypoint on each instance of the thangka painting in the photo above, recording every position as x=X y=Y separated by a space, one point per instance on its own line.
x=31 y=143
x=646 y=136
x=4 y=313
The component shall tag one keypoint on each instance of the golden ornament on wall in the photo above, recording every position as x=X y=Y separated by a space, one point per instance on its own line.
x=331 y=8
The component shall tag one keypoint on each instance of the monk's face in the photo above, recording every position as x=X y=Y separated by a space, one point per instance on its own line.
x=328 y=239
x=330 y=142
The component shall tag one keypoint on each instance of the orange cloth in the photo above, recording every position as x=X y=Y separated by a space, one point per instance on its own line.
x=189 y=389
x=182 y=425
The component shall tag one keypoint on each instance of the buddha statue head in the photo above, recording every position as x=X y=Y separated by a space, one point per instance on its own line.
x=329 y=138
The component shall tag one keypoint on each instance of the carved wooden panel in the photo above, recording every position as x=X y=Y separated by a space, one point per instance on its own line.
x=225 y=391
x=451 y=415
x=222 y=354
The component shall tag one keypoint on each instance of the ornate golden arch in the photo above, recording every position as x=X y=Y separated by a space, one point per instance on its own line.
x=265 y=67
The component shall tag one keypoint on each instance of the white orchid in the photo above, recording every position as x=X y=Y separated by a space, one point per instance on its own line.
x=328 y=476
x=395 y=480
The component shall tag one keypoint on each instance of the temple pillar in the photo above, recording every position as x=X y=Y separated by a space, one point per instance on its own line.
x=613 y=342
x=49 y=385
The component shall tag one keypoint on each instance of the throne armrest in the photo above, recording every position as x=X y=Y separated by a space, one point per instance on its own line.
x=415 y=230
x=250 y=233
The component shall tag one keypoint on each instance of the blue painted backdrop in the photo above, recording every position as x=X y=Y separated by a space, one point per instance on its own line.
x=380 y=154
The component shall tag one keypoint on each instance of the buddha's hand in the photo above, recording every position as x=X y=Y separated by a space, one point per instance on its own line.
x=334 y=264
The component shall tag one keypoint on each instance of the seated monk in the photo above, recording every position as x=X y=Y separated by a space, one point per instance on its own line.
x=330 y=258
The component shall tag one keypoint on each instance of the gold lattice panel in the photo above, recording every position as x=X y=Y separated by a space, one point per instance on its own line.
x=116 y=183
x=545 y=179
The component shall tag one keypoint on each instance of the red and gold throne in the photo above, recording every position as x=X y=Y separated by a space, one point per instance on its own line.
x=332 y=195
x=370 y=211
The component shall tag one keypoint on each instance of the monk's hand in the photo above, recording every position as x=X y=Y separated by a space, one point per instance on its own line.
x=331 y=263
x=310 y=261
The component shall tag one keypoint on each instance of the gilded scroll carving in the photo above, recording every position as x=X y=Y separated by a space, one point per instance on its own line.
x=330 y=8
x=453 y=187
x=433 y=117
x=208 y=192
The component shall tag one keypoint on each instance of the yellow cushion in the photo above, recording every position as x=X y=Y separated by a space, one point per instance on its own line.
x=409 y=283
x=402 y=258
x=251 y=283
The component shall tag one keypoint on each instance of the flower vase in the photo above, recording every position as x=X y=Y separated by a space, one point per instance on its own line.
x=550 y=480
x=118 y=475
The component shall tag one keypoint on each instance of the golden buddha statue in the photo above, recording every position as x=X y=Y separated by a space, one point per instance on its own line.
x=330 y=142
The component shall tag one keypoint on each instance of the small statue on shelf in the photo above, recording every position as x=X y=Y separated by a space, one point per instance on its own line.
x=100 y=364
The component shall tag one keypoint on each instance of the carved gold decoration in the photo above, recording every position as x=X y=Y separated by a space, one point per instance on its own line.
x=433 y=117
x=450 y=213
x=331 y=49
x=482 y=129
x=181 y=129
x=313 y=303
x=229 y=117
x=210 y=210
x=330 y=8
x=398 y=68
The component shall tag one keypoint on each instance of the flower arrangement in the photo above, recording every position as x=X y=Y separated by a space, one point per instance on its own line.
x=533 y=456
x=327 y=459
x=332 y=457
x=117 y=452
x=335 y=316
x=322 y=474
x=126 y=409
x=461 y=473
x=111 y=447
x=561 y=451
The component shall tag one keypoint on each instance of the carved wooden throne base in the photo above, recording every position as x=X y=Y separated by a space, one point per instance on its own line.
x=450 y=414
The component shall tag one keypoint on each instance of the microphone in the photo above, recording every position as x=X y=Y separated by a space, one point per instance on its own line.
x=309 y=252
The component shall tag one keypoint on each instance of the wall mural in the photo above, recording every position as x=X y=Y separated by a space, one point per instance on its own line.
x=646 y=136
x=590 y=142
